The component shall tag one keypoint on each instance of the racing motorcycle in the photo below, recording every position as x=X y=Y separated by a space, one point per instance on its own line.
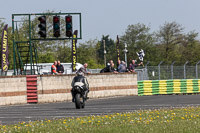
x=80 y=97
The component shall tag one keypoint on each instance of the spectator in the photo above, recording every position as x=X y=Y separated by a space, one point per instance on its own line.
x=118 y=63
x=109 y=68
x=132 y=66
x=83 y=69
x=53 y=68
x=122 y=67
x=110 y=62
x=113 y=69
x=60 y=68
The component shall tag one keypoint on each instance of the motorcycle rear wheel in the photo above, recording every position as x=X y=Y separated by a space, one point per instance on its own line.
x=77 y=101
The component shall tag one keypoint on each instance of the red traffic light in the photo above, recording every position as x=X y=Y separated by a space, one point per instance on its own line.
x=56 y=19
x=68 y=19
x=56 y=26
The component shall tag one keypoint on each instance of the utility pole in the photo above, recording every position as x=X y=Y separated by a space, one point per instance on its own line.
x=125 y=54
x=104 y=46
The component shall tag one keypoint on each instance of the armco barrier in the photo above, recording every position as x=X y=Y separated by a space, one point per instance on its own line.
x=155 y=87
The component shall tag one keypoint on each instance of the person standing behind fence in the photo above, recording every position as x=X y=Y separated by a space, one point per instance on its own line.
x=83 y=69
x=132 y=66
x=53 y=68
x=109 y=68
x=113 y=68
x=122 y=67
x=109 y=63
x=118 y=63
x=60 y=68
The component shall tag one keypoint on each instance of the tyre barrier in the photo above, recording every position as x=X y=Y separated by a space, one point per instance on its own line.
x=178 y=86
x=32 y=96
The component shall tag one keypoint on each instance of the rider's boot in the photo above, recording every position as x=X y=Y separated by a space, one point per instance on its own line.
x=86 y=94
x=73 y=99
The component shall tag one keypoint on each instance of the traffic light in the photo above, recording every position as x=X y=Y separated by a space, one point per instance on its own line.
x=56 y=26
x=42 y=26
x=68 y=20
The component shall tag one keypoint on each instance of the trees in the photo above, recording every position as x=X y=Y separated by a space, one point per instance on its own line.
x=138 y=37
x=87 y=52
x=169 y=36
x=110 y=48
x=168 y=44
x=174 y=45
x=190 y=48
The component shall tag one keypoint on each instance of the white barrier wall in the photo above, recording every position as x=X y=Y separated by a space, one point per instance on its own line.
x=56 y=88
x=12 y=90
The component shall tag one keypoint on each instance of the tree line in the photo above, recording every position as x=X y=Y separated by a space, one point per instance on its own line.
x=170 y=43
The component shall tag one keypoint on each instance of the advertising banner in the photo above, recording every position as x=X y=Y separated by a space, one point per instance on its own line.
x=4 y=49
x=74 y=55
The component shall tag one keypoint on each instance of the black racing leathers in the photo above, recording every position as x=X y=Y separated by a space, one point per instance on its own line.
x=82 y=81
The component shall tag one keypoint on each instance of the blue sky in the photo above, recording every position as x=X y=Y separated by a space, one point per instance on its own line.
x=111 y=17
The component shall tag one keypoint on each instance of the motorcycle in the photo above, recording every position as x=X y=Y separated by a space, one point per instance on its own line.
x=80 y=97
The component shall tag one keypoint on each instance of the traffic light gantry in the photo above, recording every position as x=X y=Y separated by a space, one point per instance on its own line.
x=56 y=26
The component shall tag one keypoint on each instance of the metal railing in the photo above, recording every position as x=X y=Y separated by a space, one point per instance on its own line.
x=159 y=72
x=164 y=72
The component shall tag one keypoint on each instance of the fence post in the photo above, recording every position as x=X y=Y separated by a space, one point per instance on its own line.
x=145 y=70
x=185 y=69
x=172 y=69
x=159 y=69
x=147 y=64
x=197 y=69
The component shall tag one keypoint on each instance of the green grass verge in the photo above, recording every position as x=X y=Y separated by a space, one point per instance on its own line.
x=172 y=120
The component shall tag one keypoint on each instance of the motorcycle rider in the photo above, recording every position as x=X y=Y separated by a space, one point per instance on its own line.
x=80 y=80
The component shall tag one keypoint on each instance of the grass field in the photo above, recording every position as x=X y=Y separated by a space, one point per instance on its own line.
x=171 y=120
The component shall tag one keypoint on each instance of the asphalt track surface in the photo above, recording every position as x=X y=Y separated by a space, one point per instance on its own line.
x=32 y=112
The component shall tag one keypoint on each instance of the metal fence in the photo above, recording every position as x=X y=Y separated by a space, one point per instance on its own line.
x=164 y=72
x=169 y=72
x=159 y=72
